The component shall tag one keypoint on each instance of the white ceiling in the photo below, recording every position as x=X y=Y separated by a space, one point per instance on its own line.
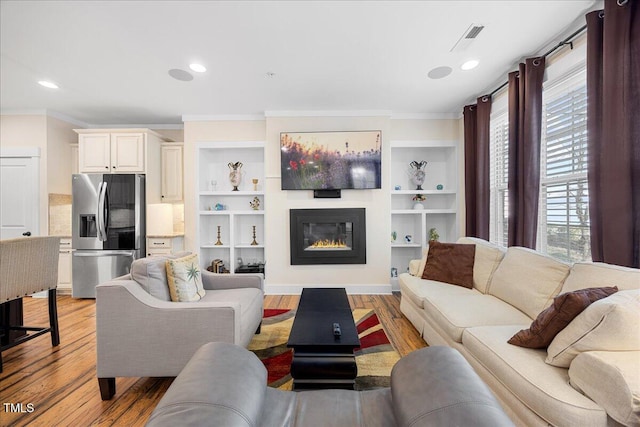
x=111 y=59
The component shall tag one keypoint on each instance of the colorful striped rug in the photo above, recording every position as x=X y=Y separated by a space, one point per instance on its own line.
x=374 y=358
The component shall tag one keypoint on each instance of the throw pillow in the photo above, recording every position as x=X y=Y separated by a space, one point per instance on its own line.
x=185 y=281
x=610 y=324
x=450 y=263
x=564 y=309
x=528 y=280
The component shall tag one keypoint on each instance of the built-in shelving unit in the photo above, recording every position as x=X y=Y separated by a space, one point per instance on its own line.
x=438 y=211
x=220 y=206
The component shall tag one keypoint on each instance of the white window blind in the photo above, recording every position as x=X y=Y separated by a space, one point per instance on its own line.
x=563 y=226
x=498 y=169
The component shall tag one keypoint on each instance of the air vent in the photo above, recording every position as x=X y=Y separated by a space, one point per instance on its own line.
x=469 y=35
x=473 y=32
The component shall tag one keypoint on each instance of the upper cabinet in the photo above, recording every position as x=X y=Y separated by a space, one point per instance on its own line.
x=115 y=150
x=171 y=184
x=124 y=151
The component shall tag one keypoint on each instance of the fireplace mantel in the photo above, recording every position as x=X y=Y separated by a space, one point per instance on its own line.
x=327 y=236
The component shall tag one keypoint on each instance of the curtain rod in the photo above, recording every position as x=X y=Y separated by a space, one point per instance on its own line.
x=566 y=41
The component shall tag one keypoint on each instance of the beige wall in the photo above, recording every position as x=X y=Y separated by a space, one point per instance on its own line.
x=283 y=277
x=52 y=136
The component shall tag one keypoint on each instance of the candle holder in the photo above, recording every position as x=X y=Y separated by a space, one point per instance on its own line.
x=254 y=243
x=218 y=242
x=255 y=184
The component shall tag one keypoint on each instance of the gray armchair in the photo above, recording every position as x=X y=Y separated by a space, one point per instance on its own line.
x=142 y=333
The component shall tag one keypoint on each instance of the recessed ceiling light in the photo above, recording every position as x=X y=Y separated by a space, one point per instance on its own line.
x=469 y=65
x=198 y=68
x=48 y=84
x=269 y=74
x=439 y=72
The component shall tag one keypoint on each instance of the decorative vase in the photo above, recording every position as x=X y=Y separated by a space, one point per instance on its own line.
x=417 y=173
x=235 y=174
x=418 y=206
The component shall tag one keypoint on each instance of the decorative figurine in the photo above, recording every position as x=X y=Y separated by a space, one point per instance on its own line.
x=235 y=174
x=417 y=173
x=408 y=238
x=433 y=234
x=218 y=207
x=255 y=203
x=418 y=199
x=218 y=242
x=255 y=184
x=394 y=236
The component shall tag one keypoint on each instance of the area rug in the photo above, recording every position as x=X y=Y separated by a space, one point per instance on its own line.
x=375 y=358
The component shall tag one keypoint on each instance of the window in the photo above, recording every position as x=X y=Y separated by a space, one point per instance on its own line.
x=563 y=224
x=498 y=170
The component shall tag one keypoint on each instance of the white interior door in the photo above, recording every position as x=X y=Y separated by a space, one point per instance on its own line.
x=19 y=198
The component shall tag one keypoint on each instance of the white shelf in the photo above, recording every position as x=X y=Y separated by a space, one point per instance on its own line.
x=237 y=219
x=232 y=193
x=406 y=245
x=422 y=211
x=440 y=206
x=233 y=212
x=414 y=192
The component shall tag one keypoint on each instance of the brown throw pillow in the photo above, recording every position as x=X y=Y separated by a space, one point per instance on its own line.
x=551 y=321
x=450 y=263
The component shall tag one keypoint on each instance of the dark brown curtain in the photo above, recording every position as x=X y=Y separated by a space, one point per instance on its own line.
x=476 y=158
x=525 y=126
x=613 y=126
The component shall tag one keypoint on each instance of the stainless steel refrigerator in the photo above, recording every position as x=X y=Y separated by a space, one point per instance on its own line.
x=108 y=228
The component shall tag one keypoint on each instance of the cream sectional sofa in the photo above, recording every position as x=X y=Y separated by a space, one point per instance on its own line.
x=597 y=378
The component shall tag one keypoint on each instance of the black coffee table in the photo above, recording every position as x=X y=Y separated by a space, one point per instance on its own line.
x=320 y=358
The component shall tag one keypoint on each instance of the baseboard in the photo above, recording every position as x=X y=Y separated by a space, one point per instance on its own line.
x=360 y=289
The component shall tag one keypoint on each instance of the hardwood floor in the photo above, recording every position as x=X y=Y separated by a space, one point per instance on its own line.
x=58 y=385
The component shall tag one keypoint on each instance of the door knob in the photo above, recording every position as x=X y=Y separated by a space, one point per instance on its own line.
x=26 y=233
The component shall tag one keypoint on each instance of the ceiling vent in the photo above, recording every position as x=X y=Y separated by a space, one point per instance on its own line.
x=469 y=35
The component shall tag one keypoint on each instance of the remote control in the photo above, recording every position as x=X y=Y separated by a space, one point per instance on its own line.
x=336 y=330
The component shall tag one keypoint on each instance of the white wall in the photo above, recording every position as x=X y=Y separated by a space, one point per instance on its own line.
x=52 y=136
x=281 y=276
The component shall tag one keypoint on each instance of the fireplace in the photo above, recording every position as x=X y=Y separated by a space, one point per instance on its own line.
x=328 y=236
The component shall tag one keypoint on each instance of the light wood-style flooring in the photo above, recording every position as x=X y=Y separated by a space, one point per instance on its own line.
x=60 y=382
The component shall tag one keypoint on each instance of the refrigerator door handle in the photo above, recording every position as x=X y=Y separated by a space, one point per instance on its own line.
x=102 y=234
x=103 y=253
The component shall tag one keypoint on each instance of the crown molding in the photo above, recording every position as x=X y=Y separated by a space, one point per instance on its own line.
x=221 y=117
x=426 y=116
x=329 y=113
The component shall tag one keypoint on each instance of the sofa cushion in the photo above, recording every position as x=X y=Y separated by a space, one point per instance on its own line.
x=612 y=380
x=185 y=279
x=151 y=275
x=487 y=259
x=543 y=388
x=450 y=263
x=528 y=280
x=417 y=289
x=555 y=318
x=455 y=311
x=591 y=275
x=612 y=324
x=250 y=300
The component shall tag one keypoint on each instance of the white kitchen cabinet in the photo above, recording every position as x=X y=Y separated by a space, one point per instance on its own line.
x=171 y=172
x=164 y=245
x=115 y=150
x=64 y=266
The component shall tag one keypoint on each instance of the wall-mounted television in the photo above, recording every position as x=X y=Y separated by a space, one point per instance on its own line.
x=331 y=160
